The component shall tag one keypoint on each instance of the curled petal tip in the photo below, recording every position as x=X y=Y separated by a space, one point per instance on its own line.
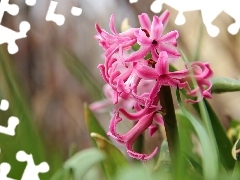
x=142 y=157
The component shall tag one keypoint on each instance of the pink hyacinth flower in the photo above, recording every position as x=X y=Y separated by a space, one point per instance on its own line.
x=115 y=42
x=129 y=138
x=150 y=39
x=162 y=76
x=201 y=72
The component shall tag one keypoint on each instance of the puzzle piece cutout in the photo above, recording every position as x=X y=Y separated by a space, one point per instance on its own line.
x=76 y=11
x=12 y=9
x=133 y=1
x=7 y=35
x=4 y=170
x=59 y=19
x=12 y=124
x=30 y=2
x=210 y=9
x=4 y=105
x=31 y=171
x=12 y=121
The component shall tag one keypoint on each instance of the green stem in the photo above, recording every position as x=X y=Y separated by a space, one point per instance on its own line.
x=170 y=123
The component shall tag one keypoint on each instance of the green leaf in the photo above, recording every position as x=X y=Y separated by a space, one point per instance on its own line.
x=223 y=142
x=221 y=85
x=81 y=73
x=137 y=172
x=27 y=136
x=187 y=144
x=79 y=164
x=236 y=155
x=114 y=161
x=236 y=171
x=163 y=166
x=92 y=123
x=209 y=157
x=82 y=161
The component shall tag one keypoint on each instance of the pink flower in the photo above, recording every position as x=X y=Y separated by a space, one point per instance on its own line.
x=115 y=42
x=160 y=73
x=133 y=83
x=150 y=39
x=201 y=72
x=144 y=120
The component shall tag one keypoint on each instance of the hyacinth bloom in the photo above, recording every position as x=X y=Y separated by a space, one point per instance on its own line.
x=114 y=42
x=144 y=118
x=201 y=73
x=151 y=40
x=133 y=82
x=162 y=76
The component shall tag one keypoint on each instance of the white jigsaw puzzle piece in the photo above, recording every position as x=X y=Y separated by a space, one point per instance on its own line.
x=210 y=9
x=12 y=124
x=31 y=171
x=4 y=170
x=133 y=1
x=76 y=11
x=9 y=36
x=30 y=2
x=59 y=19
x=231 y=7
x=4 y=105
x=12 y=9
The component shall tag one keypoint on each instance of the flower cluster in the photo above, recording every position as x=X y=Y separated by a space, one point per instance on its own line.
x=134 y=78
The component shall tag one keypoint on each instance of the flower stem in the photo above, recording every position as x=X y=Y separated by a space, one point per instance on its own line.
x=170 y=123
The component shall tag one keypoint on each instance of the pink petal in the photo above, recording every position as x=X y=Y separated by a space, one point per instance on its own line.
x=138 y=55
x=162 y=65
x=146 y=72
x=171 y=50
x=145 y=21
x=170 y=38
x=164 y=18
x=154 y=93
x=142 y=38
x=100 y=106
x=113 y=126
x=158 y=119
x=101 y=67
x=152 y=130
x=111 y=25
x=135 y=132
x=134 y=116
x=142 y=157
x=156 y=29
x=179 y=74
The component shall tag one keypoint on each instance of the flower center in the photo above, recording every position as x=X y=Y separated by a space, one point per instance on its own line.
x=154 y=42
x=146 y=32
x=151 y=63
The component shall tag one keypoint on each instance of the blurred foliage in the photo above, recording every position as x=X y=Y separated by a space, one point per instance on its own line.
x=203 y=154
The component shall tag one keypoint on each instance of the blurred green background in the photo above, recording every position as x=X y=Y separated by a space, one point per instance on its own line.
x=55 y=72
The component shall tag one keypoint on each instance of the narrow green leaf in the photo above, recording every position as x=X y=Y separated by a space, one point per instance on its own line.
x=27 y=136
x=115 y=160
x=82 y=161
x=236 y=156
x=164 y=161
x=209 y=158
x=92 y=123
x=223 y=142
x=187 y=144
x=137 y=172
x=221 y=85
x=79 y=164
x=236 y=171
x=81 y=73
